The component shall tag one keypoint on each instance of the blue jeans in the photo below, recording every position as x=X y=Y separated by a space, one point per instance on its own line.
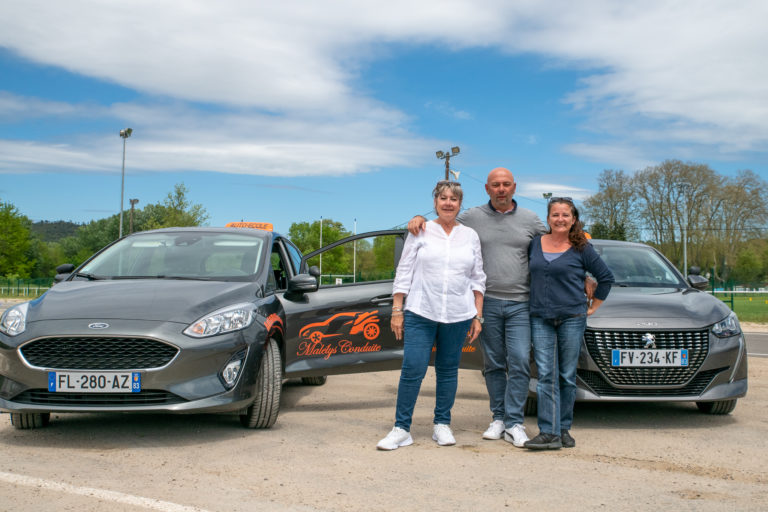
x=506 y=339
x=419 y=336
x=556 y=347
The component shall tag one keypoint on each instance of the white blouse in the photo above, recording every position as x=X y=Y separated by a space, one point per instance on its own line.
x=439 y=272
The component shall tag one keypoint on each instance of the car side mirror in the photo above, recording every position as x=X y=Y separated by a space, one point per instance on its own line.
x=314 y=271
x=698 y=282
x=63 y=271
x=302 y=283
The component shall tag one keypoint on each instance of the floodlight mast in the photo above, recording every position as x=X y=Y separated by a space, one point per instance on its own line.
x=447 y=156
x=124 y=134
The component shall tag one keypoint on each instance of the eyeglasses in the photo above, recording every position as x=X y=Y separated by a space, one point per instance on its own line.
x=561 y=199
x=448 y=182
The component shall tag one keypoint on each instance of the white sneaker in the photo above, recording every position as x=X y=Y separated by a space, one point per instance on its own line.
x=443 y=435
x=495 y=430
x=516 y=435
x=396 y=438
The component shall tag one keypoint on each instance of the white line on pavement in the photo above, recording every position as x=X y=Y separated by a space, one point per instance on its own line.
x=117 y=497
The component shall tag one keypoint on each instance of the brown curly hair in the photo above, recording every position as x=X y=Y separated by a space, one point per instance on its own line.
x=576 y=235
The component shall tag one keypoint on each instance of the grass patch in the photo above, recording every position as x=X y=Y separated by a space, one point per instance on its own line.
x=749 y=307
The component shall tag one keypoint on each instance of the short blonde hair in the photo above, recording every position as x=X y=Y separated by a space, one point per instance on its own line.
x=453 y=186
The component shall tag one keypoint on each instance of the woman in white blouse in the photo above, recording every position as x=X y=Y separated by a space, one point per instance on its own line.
x=441 y=273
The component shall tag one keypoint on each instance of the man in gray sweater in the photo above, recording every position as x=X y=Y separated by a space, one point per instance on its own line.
x=505 y=230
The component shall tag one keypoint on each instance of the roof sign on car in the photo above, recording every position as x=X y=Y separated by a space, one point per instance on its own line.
x=266 y=226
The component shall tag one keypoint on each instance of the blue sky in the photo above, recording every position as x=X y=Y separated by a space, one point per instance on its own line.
x=299 y=110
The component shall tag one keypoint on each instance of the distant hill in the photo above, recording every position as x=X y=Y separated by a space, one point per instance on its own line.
x=54 y=231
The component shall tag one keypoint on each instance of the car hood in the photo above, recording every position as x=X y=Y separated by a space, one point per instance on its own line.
x=150 y=299
x=658 y=308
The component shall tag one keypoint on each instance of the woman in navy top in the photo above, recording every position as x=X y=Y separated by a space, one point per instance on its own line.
x=558 y=263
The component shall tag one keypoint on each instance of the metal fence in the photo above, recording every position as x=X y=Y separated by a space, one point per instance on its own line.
x=28 y=288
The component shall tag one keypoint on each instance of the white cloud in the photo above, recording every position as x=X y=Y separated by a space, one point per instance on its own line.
x=656 y=72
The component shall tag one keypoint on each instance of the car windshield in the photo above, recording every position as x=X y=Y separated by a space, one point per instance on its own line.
x=179 y=255
x=638 y=266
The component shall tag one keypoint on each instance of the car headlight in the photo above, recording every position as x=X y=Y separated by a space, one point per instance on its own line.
x=727 y=327
x=229 y=319
x=14 y=320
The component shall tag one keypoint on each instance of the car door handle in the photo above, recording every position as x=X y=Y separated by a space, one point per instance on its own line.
x=382 y=300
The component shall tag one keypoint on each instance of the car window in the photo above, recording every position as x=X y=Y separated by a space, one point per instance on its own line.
x=638 y=266
x=356 y=261
x=279 y=268
x=179 y=255
x=294 y=255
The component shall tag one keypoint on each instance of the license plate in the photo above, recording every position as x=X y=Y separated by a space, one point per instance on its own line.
x=649 y=357
x=94 y=382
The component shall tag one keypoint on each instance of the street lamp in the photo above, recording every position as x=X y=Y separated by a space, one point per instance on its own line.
x=124 y=134
x=547 y=195
x=447 y=156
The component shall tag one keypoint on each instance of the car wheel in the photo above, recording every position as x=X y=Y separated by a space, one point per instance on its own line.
x=23 y=420
x=717 y=407
x=531 y=407
x=263 y=411
x=314 y=381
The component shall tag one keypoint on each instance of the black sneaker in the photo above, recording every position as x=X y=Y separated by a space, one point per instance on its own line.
x=544 y=442
x=567 y=439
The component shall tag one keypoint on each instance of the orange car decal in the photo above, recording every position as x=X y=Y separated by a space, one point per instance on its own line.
x=275 y=320
x=319 y=343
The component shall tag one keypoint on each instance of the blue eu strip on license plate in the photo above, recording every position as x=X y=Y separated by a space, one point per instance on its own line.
x=640 y=358
x=94 y=382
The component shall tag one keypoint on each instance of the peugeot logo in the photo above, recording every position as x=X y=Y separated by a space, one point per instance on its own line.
x=649 y=340
x=98 y=325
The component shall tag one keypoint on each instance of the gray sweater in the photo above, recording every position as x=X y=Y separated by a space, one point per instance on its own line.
x=504 y=240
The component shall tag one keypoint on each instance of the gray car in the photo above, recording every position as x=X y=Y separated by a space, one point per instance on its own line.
x=659 y=337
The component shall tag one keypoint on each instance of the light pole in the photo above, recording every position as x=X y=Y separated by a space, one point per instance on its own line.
x=321 y=254
x=547 y=195
x=130 y=224
x=447 y=156
x=124 y=134
x=684 y=187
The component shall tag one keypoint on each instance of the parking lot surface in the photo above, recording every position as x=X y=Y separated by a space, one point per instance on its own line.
x=321 y=456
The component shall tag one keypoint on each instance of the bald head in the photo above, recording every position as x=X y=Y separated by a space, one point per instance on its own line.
x=501 y=187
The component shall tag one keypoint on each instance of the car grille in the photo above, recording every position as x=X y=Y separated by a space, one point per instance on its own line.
x=597 y=384
x=143 y=398
x=98 y=353
x=600 y=343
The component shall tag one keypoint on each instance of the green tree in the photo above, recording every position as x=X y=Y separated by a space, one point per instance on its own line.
x=175 y=211
x=15 y=241
x=611 y=213
x=337 y=261
x=748 y=269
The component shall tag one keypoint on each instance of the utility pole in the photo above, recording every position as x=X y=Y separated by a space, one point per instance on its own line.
x=124 y=134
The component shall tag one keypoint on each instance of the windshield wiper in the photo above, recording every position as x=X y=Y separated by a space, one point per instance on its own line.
x=183 y=278
x=88 y=276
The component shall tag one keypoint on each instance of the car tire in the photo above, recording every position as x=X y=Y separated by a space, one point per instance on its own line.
x=531 y=407
x=264 y=410
x=23 y=420
x=314 y=381
x=717 y=407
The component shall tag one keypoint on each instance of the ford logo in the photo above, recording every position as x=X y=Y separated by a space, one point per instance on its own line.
x=98 y=325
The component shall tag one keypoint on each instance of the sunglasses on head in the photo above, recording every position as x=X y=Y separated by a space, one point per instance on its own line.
x=561 y=199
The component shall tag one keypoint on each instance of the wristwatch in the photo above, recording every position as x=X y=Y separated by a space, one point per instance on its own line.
x=479 y=319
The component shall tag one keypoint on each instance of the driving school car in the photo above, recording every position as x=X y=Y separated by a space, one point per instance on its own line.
x=190 y=320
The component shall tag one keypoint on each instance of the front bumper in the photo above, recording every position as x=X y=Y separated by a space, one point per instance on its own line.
x=190 y=382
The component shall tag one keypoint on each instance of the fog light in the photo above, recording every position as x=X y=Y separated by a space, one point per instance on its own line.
x=231 y=370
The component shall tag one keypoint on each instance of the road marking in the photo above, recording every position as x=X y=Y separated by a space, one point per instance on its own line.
x=117 y=497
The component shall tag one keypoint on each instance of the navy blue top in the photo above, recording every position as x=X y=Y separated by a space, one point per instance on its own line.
x=557 y=286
